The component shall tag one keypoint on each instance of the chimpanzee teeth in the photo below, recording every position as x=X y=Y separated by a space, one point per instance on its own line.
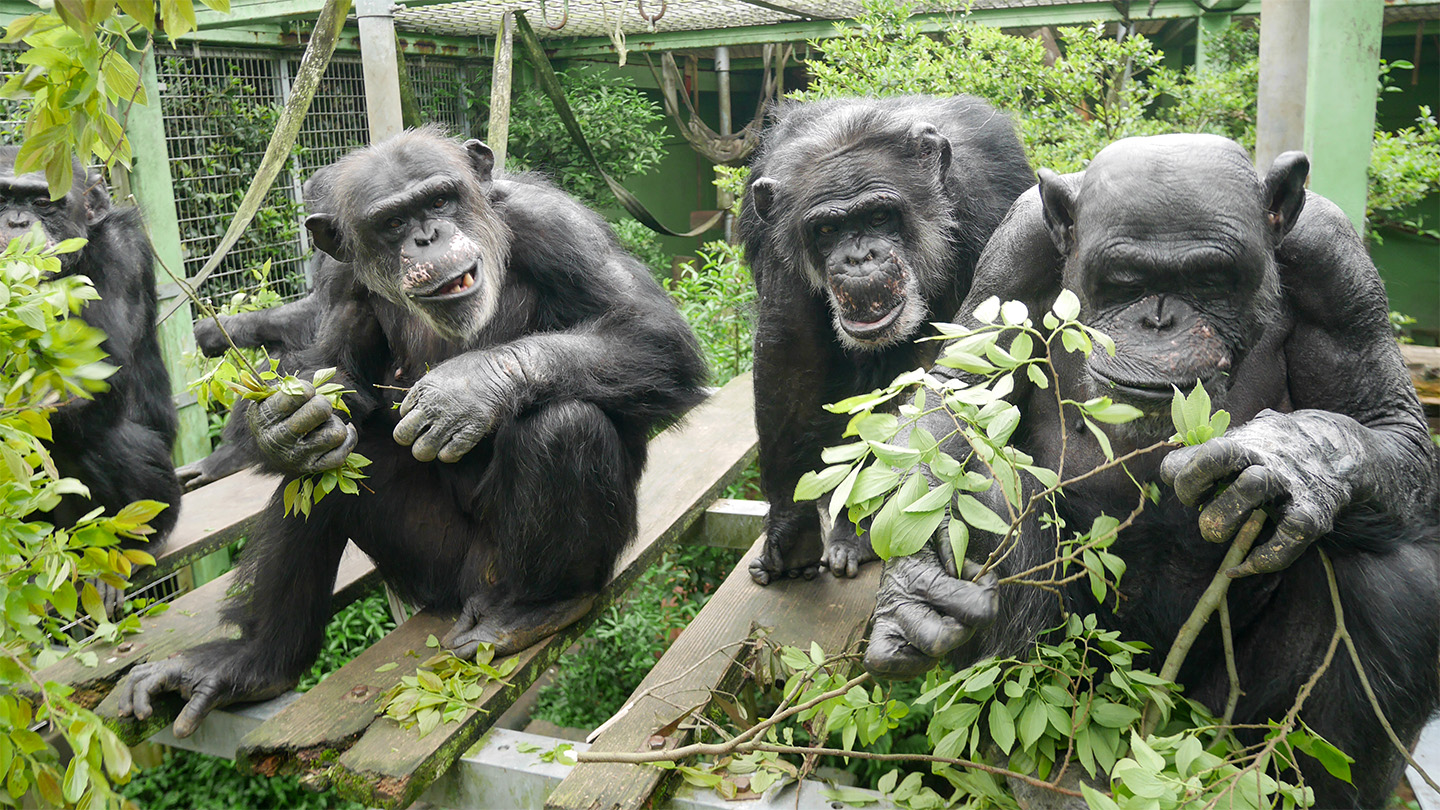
x=467 y=281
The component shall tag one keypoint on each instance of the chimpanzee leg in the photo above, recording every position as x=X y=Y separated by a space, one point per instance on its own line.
x=561 y=490
x=286 y=575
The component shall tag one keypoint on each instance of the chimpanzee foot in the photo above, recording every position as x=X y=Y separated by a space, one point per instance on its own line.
x=776 y=562
x=512 y=627
x=846 y=551
x=204 y=686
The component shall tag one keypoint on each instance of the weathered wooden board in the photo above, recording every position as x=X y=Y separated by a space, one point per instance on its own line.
x=390 y=766
x=212 y=516
x=829 y=611
x=1424 y=365
x=192 y=619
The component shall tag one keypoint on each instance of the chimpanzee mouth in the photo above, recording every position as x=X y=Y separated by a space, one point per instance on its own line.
x=867 y=330
x=1153 y=390
x=457 y=287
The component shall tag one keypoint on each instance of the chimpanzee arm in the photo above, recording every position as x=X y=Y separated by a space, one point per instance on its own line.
x=614 y=339
x=923 y=612
x=1356 y=448
x=272 y=329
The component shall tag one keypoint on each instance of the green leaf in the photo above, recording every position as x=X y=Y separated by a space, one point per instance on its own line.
x=979 y=516
x=1066 y=306
x=841 y=494
x=878 y=427
x=94 y=605
x=959 y=536
x=843 y=453
x=1112 y=413
x=988 y=310
x=1177 y=412
x=873 y=481
x=1033 y=721
x=1037 y=376
x=1002 y=726
x=846 y=795
x=895 y=455
x=813 y=485
x=1102 y=439
x=1144 y=754
x=1014 y=313
x=1185 y=754
x=1112 y=715
x=937 y=498
x=1197 y=406
x=965 y=361
x=387 y=667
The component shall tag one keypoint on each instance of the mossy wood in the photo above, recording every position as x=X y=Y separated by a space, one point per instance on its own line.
x=333 y=733
x=829 y=611
x=192 y=619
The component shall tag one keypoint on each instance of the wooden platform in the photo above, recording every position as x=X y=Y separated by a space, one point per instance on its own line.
x=332 y=733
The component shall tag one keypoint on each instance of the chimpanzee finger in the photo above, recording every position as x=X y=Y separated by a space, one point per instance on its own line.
x=1255 y=487
x=461 y=443
x=280 y=406
x=202 y=699
x=335 y=459
x=410 y=426
x=971 y=603
x=1194 y=472
x=928 y=631
x=427 y=446
x=891 y=656
x=145 y=682
x=1297 y=530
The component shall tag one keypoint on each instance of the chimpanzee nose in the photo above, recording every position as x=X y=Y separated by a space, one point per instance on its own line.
x=425 y=234
x=1159 y=319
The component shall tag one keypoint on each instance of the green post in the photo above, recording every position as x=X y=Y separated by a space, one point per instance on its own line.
x=1343 y=65
x=1208 y=27
x=150 y=184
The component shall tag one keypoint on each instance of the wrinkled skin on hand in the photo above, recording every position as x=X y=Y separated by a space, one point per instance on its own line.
x=1301 y=468
x=846 y=550
x=923 y=612
x=203 y=687
x=301 y=434
x=454 y=406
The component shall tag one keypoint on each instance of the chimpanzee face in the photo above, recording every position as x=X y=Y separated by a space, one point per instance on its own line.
x=1170 y=245
x=25 y=202
x=867 y=245
x=413 y=216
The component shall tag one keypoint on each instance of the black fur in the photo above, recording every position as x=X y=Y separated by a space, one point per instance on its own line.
x=943 y=171
x=558 y=370
x=119 y=443
x=1199 y=269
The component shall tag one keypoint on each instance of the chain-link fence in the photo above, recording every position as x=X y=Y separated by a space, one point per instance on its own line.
x=220 y=107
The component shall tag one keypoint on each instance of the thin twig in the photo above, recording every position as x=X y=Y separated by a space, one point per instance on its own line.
x=1364 y=680
x=1209 y=602
x=1227 y=638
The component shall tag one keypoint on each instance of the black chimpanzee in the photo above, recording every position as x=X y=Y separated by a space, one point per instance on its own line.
x=537 y=357
x=1201 y=270
x=863 y=219
x=117 y=444
x=282 y=331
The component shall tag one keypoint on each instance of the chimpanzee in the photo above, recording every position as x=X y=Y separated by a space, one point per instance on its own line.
x=1200 y=270
x=532 y=357
x=118 y=443
x=863 y=218
x=282 y=331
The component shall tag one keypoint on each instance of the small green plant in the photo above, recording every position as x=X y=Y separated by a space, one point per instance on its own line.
x=444 y=689
x=715 y=295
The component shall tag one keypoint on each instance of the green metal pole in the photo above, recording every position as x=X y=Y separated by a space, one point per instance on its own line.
x=150 y=183
x=1344 y=58
x=1208 y=28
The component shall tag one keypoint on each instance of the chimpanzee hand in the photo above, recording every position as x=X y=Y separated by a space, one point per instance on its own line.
x=300 y=434
x=923 y=611
x=454 y=406
x=204 y=686
x=846 y=550
x=209 y=338
x=1300 y=467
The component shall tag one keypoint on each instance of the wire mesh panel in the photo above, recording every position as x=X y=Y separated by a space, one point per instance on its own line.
x=444 y=90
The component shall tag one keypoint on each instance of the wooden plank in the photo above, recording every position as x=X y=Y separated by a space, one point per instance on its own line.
x=192 y=619
x=211 y=517
x=829 y=611
x=1424 y=365
x=390 y=766
x=730 y=523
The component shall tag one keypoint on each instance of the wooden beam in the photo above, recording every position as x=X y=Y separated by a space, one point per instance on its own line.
x=1077 y=13
x=828 y=611
x=211 y=517
x=250 y=12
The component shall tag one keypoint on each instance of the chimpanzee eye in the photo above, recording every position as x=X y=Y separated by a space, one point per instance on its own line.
x=439 y=202
x=394 y=223
x=826 y=229
x=44 y=202
x=879 y=217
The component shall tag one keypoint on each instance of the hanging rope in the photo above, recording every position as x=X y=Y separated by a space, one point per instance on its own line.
x=551 y=86
x=730 y=150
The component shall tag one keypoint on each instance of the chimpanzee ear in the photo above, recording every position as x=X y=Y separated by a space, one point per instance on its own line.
x=97 y=198
x=1057 y=198
x=481 y=158
x=932 y=146
x=326 y=236
x=762 y=196
x=1285 y=193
